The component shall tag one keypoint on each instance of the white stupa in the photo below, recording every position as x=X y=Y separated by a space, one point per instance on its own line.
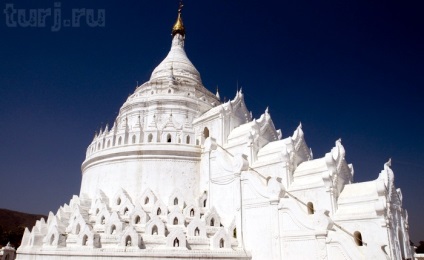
x=181 y=175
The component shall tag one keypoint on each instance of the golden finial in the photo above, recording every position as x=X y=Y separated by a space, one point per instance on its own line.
x=179 y=26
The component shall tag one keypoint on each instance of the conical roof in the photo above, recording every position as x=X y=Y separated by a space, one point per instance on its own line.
x=176 y=62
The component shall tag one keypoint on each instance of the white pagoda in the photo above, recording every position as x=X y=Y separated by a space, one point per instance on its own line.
x=182 y=175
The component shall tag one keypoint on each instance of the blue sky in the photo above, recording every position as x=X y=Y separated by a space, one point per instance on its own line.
x=345 y=69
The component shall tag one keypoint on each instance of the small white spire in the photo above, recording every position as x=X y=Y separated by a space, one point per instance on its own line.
x=389 y=163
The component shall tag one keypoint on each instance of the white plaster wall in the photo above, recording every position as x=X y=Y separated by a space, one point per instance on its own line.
x=225 y=197
x=299 y=248
x=136 y=173
x=319 y=197
x=278 y=170
x=258 y=230
x=374 y=236
x=124 y=253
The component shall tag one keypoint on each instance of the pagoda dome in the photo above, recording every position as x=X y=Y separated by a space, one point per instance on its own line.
x=154 y=126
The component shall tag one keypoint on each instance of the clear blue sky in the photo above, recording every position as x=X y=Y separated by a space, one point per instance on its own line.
x=345 y=69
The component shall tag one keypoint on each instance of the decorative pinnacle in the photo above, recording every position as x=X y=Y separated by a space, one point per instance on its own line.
x=179 y=26
x=389 y=162
x=217 y=93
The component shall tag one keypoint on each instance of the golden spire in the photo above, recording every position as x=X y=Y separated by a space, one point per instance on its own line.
x=179 y=26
